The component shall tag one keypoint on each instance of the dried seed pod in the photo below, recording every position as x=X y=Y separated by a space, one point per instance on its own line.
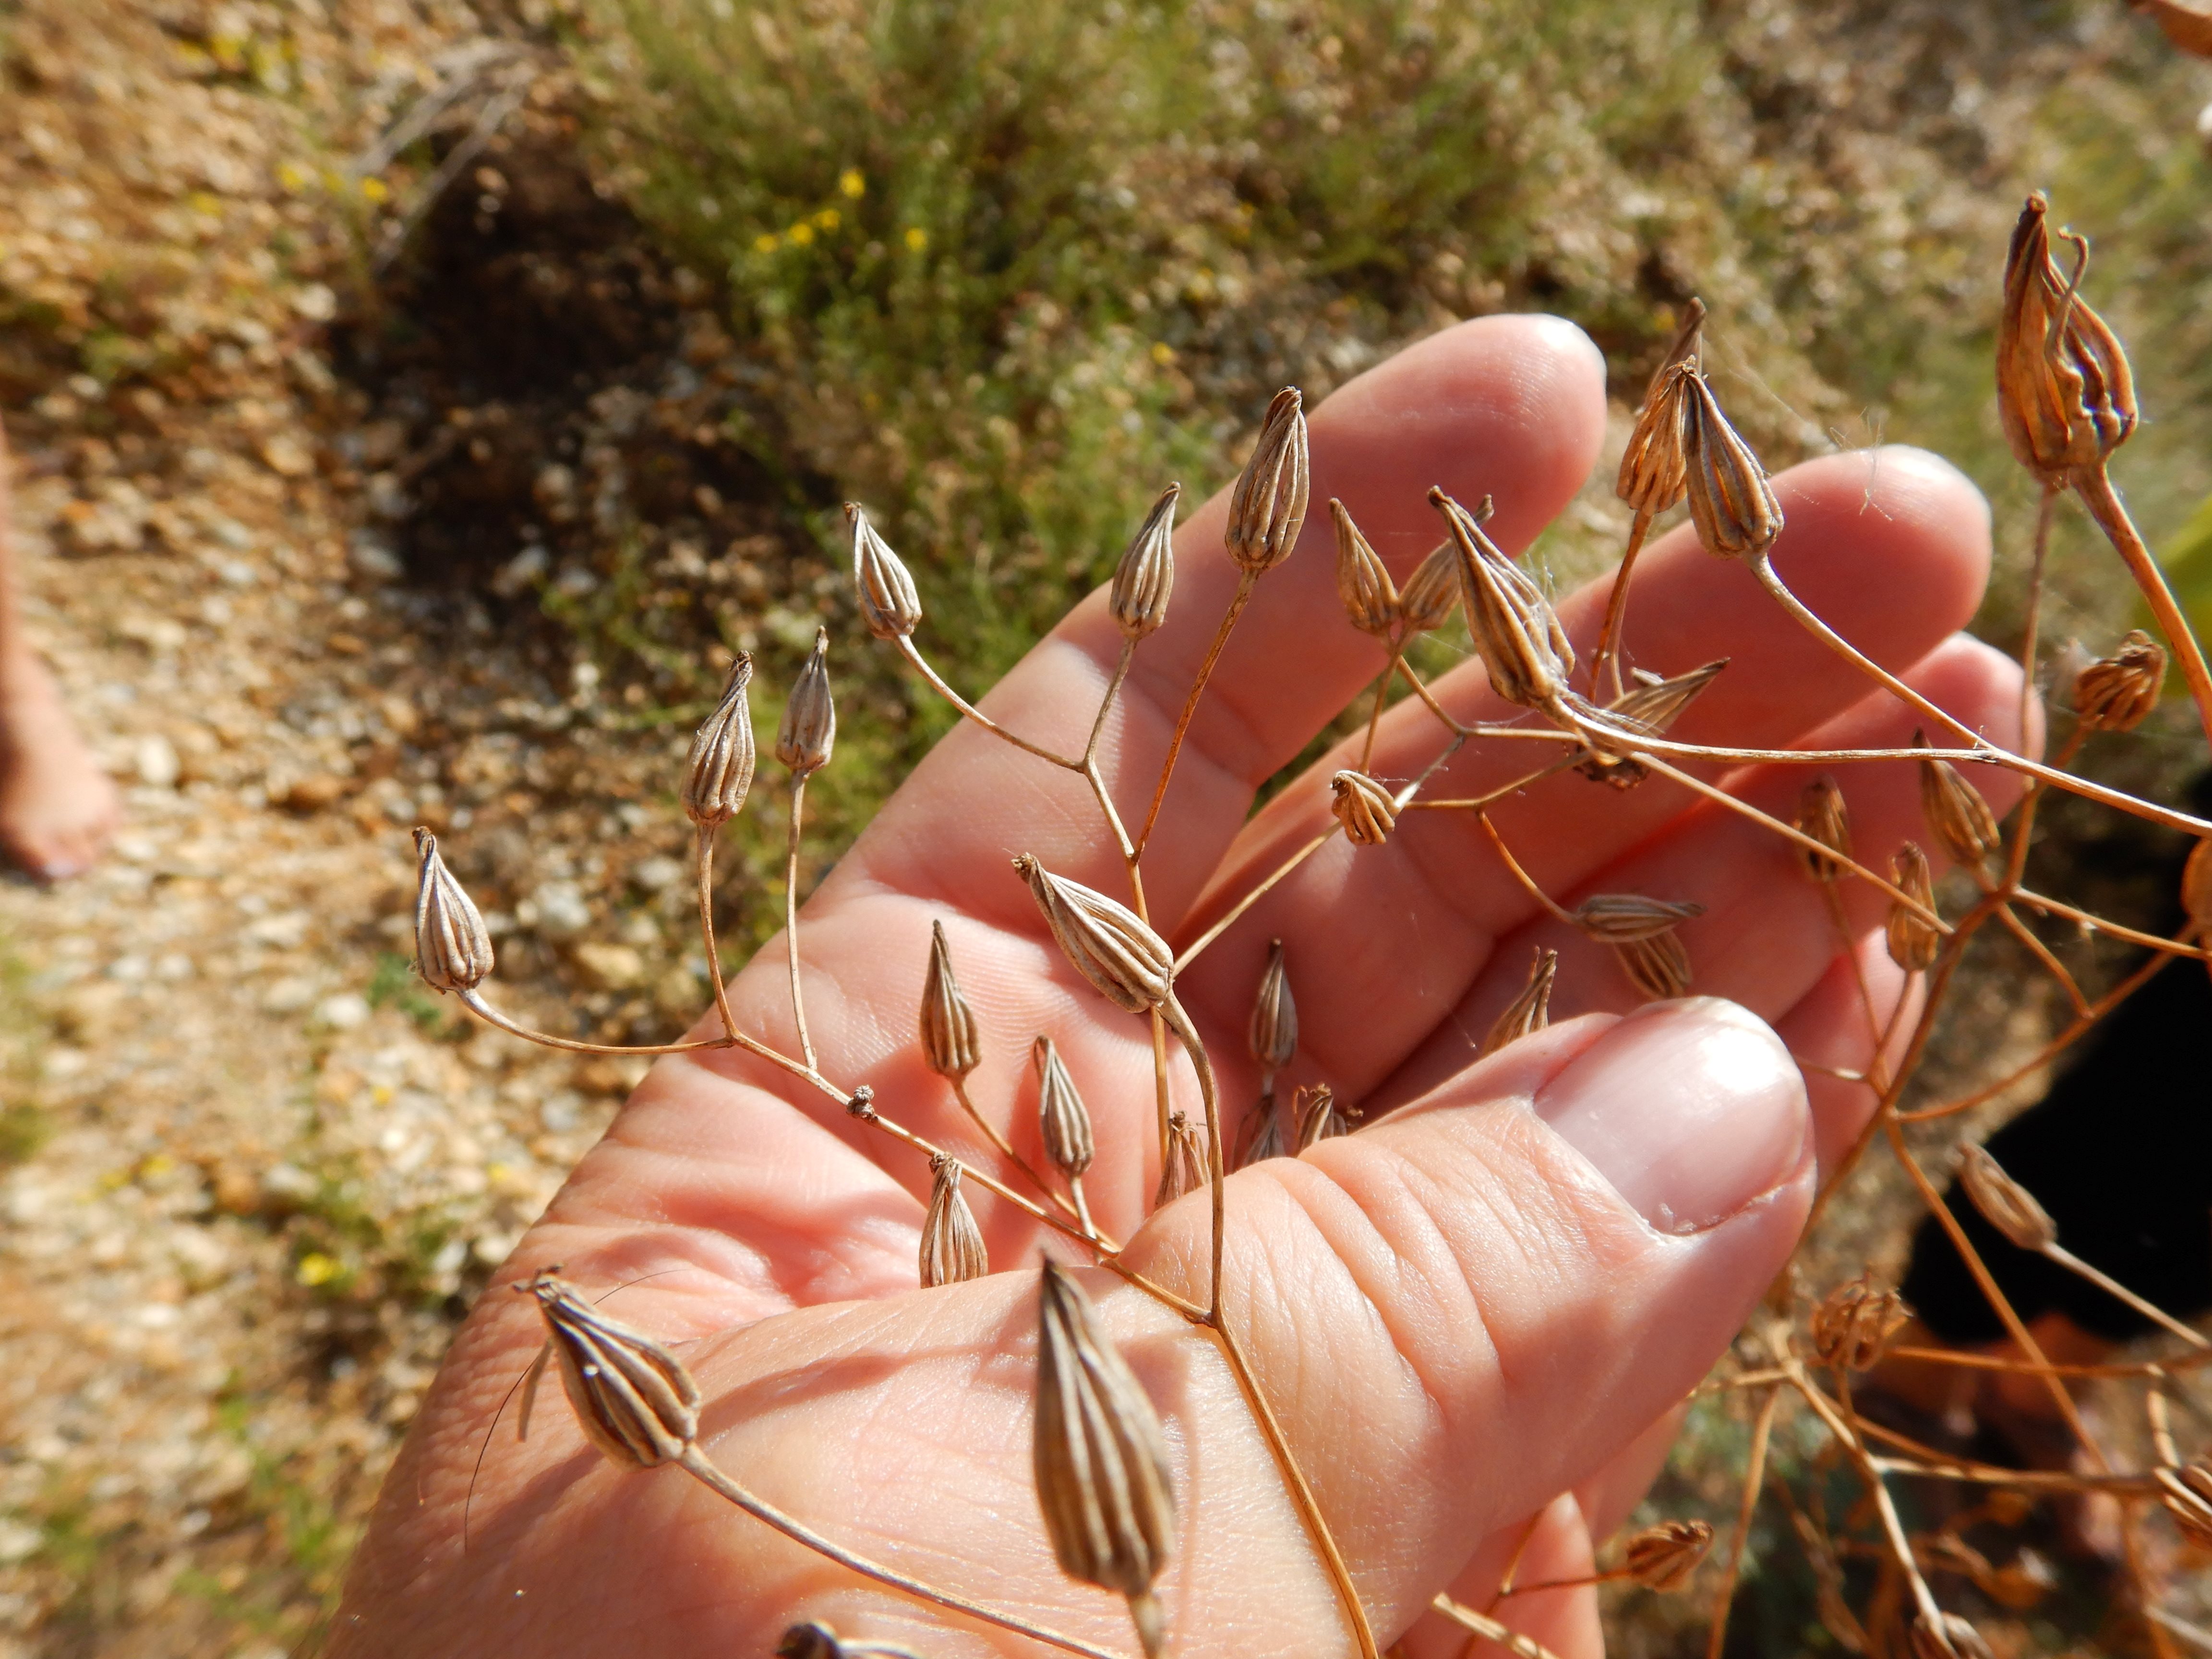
x=2197 y=885
x=1067 y=1120
x=1314 y=1111
x=1367 y=810
x=452 y=950
x=809 y=731
x=1853 y=1326
x=2116 y=693
x=1654 y=472
x=1947 y=1635
x=2004 y=1203
x=1369 y=596
x=1100 y=1460
x=1530 y=1011
x=951 y=1243
x=1264 y=1138
x=1129 y=964
x=948 y=1024
x=2187 y=1495
x=720 y=768
x=1516 y=632
x=634 y=1398
x=1145 y=576
x=1274 y=1030
x=1658 y=966
x=1624 y=918
x=1267 y=507
x=1731 y=502
x=1822 y=816
x=1182 y=1168
x=815 y=1640
x=1662 y=1556
x=2064 y=390
x=1958 y=816
x=885 y=586
x=1913 y=942
x=1647 y=708
x=1425 y=602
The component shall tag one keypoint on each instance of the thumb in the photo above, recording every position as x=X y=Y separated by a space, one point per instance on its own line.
x=1474 y=1303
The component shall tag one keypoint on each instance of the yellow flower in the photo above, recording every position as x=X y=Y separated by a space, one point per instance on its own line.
x=375 y=190
x=829 y=218
x=767 y=242
x=316 y=1268
x=291 y=175
x=1163 y=353
x=800 y=233
x=916 y=239
x=850 y=182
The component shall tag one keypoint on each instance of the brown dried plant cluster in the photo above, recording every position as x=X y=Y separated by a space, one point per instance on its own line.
x=1105 y=1494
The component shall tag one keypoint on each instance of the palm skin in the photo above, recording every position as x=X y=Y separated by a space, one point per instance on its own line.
x=1480 y=1310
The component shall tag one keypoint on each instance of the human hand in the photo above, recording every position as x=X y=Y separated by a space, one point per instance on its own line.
x=1480 y=1310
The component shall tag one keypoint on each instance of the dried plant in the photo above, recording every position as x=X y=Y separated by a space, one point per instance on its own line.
x=1104 y=1481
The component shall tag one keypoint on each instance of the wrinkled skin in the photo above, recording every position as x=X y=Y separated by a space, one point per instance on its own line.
x=1477 y=1312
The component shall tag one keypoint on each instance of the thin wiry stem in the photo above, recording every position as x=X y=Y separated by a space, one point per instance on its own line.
x=705 y=873
x=1246 y=582
x=2095 y=489
x=1900 y=1546
x=1528 y=882
x=1610 y=643
x=1382 y=696
x=2043 y=954
x=2104 y=1281
x=1754 y=1477
x=482 y=1010
x=701 y=1468
x=1492 y=1630
x=2033 y=622
x=791 y=915
x=907 y=649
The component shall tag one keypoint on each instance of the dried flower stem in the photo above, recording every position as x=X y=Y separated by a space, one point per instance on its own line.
x=1900 y=1546
x=2095 y=486
x=2165 y=947
x=1616 y=609
x=475 y=1003
x=695 y=1463
x=2032 y=622
x=791 y=915
x=1528 y=882
x=907 y=649
x=1382 y=696
x=706 y=870
x=1754 y=1476
x=2104 y=1281
x=2042 y=952
x=1491 y=1630
x=1247 y=582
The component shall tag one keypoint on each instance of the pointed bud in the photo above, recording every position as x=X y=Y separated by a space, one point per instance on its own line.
x=1853 y=1327
x=1267 y=507
x=1266 y=1138
x=1662 y=1558
x=815 y=1640
x=1516 y=632
x=951 y=1243
x=1065 y=1119
x=1658 y=966
x=1369 y=596
x=1100 y=1460
x=1316 y=1112
x=1947 y=1635
x=1182 y=1169
x=1653 y=473
x=948 y=1024
x=2187 y=1495
x=1129 y=964
x=1958 y=816
x=1624 y=918
x=1823 y=817
x=889 y=605
x=1530 y=1011
x=1367 y=810
x=1731 y=502
x=720 y=768
x=2064 y=390
x=1646 y=708
x=809 y=731
x=1274 y=1029
x=453 y=951
x=1145 y=576
x=634 y=1400
x=2115 y=693
x=1913 y=944
x=1427 y=601
x=2004 y=1203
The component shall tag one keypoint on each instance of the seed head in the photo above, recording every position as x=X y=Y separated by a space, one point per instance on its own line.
x=1662 y=1558
x=1100 y=1459
x=2064 y=390
x=1731 y=502
x=1267 y=507
x=1648 y=708
x=1367 y=810
x=1370 y=597
x=1530 y=1011
x=1129 y=964
x=1822 y=815
x=2196 y=886
x=1145 y=576
x=634 y=1398
x=1314 y=1111
x=1516 y=632
x=1182 y=1167
x=1653 y=472
x=1913 y=942
x=809 y=731
x=951 y=1243
x=1067 y=1120
x=815 y=1640
x=2115 y=693
x=2187 y=1494
x=881 y=580
x=1958 y=816
x=1854 y=1325
x=453 y=951
x=948 y=1024
x=2004 y=1203
x=1274 y=1030
x=720 y=768
x=1624 y=918
x=1425 y=602
x=1947 y=1635
x=1658 y=966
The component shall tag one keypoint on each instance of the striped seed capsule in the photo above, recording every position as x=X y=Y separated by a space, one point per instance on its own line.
x=1823 y=817
x=1625 y=918
x=1363 y=586
x=1662 y=1558
x=1913 y=942
x=1658 y=964
x=1516 y=632
x=1130 y=965
x=1427 y=601
x=1314 y=1111
x=1267 y=507
x=1273 y=1033
x=1653 y=473
x=633 y=1399
x=951 y=1243
x=1958 y=816
x=452 y=948
x=2065 y=393
x=720 y=768
x=2004 y=1203
x=2116 y=693
x=2187 y=1494
x=1854 y=1324
x=881 y=581
x=1182 y=1168
x=815 y=1640
x=949 y=1042
x=1066 y=1120
x=2196 y=886
x=809 y=731
x=1731 y=502
x=1367 y=810
x=1145 y=576
x=1530 y=1011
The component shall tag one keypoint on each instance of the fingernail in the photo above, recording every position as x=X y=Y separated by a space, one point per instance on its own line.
x=1691 y=1110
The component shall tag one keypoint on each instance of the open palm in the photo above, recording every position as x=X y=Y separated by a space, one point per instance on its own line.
x=1479 y=1310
